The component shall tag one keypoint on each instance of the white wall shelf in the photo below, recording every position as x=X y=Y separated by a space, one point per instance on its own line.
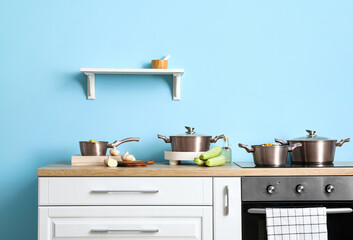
x=91 y=73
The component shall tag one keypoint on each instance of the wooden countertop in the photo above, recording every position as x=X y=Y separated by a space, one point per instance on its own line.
x=65 y=169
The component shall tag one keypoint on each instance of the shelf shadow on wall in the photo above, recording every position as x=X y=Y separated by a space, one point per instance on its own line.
x=124 y=83
x=147 y=66
x=81 y=79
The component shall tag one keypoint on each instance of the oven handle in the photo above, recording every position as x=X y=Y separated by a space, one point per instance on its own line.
x=328 y=210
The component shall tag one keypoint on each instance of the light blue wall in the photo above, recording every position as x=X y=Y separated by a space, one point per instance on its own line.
x=254 y=70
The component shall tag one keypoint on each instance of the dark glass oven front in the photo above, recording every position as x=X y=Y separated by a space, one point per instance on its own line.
x=340 y=226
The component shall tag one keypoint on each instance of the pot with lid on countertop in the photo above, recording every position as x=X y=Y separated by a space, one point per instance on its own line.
x=190 y=141
x=315 y=150
x=270 y=156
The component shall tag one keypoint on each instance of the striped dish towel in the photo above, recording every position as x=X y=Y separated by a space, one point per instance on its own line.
x=296 y=223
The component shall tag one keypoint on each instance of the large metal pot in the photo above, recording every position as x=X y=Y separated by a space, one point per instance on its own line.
x=315 y=150
x=190 y=141
x=100 y=148
x=270 y=156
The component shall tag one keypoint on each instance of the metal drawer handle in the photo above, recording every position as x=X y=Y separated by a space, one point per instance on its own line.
x=124 y=191
x=226 y=204
x=125 y=230
x=328 y=210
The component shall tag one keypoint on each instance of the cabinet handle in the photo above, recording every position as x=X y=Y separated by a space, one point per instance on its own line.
x=124 y=191
x=226 y=204
x=125 y=230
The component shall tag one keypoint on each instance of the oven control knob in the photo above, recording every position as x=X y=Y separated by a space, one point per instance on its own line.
x=330 y=188
x=299 y=188
x=270 y=189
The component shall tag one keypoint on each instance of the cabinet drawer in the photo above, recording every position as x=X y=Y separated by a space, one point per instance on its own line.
x=163 y=223
x=125 y=191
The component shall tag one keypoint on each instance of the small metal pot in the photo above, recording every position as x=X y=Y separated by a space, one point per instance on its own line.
x=190 y=141
x=315 y=151
x=100 y=148
x=270 y=156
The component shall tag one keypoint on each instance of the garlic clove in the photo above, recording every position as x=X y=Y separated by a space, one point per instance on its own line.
x=128 y=157
x=114 y=152
x=110 y=162
x=123 y=156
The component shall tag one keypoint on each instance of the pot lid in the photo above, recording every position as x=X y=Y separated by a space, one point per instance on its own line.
x=311 y=137
x=190 y=133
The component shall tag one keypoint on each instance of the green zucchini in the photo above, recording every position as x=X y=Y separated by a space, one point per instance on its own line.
x=213 y=152
x=199 y=162
x=217 y=161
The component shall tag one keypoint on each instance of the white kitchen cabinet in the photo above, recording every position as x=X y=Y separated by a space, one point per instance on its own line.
x=136 y=208
x=125 y=222
x=227 y=208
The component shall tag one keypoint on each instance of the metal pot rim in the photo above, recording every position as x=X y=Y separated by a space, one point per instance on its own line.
x=190 y=136
x=280 y=146
x=307 y=140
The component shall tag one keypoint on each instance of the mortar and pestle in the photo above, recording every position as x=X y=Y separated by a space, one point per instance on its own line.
x=160 y=63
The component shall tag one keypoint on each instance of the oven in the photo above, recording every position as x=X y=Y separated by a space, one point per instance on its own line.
x=334 y=193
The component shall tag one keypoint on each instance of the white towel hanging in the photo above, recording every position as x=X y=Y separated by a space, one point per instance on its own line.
x=296 y=223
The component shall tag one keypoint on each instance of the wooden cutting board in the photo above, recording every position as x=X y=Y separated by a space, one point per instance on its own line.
x=134 y=163
x=78 y=160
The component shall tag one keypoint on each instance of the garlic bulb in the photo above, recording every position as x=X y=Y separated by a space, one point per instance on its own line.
x=114 y=152
x=110 y=162
x=128 y=157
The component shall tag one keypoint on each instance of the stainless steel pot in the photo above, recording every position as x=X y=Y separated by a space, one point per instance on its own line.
x=100 y=148
x=270 y=156
x=190 y=141
x=315 y=151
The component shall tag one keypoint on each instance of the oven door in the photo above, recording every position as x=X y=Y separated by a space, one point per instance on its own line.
x=339 y=224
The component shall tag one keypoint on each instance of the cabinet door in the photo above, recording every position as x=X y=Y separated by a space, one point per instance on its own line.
x=125 y=223
x=88 y=191
x=227 y=208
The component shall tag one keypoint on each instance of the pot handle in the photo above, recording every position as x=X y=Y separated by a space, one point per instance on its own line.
x=281 y=141
x=117 y=143
x=295 y=145
x=167 y=140
x=215 y=139
x=247 y=148
x=340 y=143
